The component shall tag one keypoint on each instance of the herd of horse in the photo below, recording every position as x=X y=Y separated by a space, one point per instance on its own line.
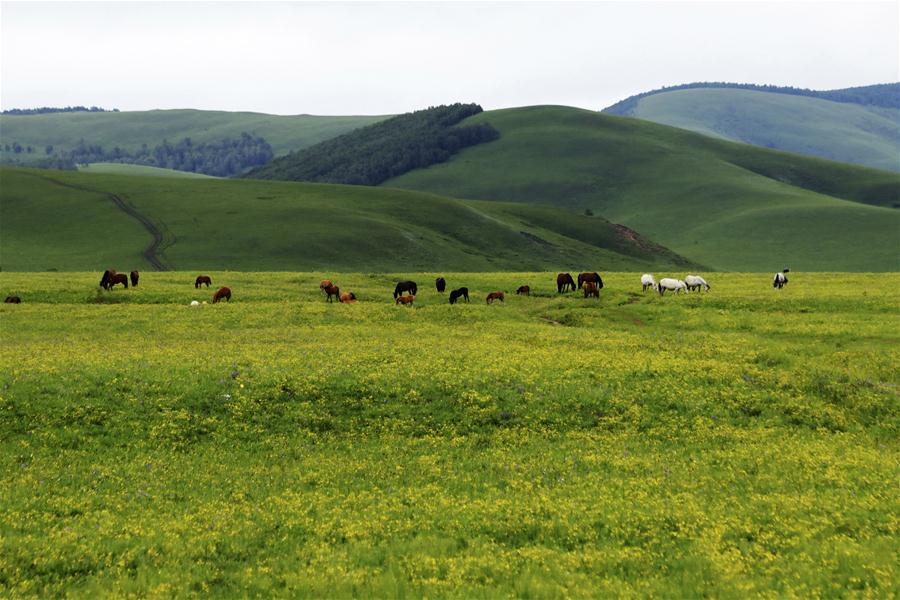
x=111 y=278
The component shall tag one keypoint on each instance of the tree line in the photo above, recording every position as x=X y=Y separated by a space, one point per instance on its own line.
x=223 y=158
x=373 y=154
x=54 y=109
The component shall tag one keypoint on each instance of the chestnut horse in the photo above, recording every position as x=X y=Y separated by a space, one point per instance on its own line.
x=333 y=292
x=406 y=286
x=523 y=290
x=134 y=278
x=13 y=300
x=222 y=292
x=348 y=298
x=405 y=300
x=461 y=292
x=325 y=284
x=495 y=296
x=591 y=289
x=441 y=284
x=201 y=279
x=563 y=282
x=590 y=277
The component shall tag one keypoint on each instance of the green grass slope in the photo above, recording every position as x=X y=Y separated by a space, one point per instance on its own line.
x=129 y=130
x=865 y=135
x=141 y=170
x=727 y=205
x=256 y=225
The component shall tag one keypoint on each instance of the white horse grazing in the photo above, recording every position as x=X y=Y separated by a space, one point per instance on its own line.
x=780 y=279
x=647 y=282
x=672 y=285
x=695 y=282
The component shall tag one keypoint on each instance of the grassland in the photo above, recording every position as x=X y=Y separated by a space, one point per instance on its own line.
x=129 y=130
x=56 y=220
x=141 y=170
x=864 y=135
x=733 y=444
x=727 y=205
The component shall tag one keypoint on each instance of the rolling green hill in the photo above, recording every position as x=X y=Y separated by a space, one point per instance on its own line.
x=61 y=220
x=143 y=170
x=847 y=132
x=129 y=130
x=731 y=206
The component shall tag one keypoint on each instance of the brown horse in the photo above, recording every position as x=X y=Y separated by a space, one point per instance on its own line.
x=134 y=278
x=405 y=300
x=201 y=279
x=590 y=277
x=495 y=296
x=325 y=284
x=591 y=289
x=222 y=292
x=348 y=298
x=523 y=290
x=117 y=278
x=13 y=300
x=564 y=281
x=107 y=275
x=333 y=292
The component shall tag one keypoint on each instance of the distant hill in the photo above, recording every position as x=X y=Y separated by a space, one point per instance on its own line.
x=857 y=125
x=130 y=130
x=731 y=206
x=64 y=220
x=139 y=170
x=372 y=154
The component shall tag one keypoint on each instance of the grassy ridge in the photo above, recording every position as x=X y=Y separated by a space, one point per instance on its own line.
x=851 y=133
x=129 y=130
x=246 y=225
x=731 y=444
x=730 y=206
x=143 y=170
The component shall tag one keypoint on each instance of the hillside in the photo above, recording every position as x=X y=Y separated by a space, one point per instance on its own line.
x=129 y=130
x=861 y=134
x=142 y=170
x=730 y=206
x=61 y=220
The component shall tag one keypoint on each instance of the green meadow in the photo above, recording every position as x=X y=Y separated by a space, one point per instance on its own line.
x=736 y=443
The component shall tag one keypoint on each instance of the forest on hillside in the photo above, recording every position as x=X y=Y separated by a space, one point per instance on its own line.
x=43 y=110
x=373 y=154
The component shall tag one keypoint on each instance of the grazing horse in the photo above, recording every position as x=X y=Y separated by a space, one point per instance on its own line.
x=333 y=291
x=117 y=278
x=222 y=292
x=13 y=300
x=591 y=289
x=348 y=298
x=134 y=278
x=495 y=296
x=780 y=279
x=563 y=282
x=462 y=292
x=590 y=278
x=441 y=284
x=523 y=290
x=673 y=285
x=647 y=282
x=405 y=300
x=107 y=275
x=201 y=279
x=406 y=286
x=695 y=282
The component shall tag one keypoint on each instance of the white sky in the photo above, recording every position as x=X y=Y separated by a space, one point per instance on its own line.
x=378 y=58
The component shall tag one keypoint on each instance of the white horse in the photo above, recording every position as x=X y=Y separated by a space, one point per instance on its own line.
x=780 y=279
x=695 y=282
x=647 y=282
x=672 y=285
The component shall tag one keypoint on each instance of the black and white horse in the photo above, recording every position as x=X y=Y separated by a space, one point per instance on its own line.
x=780 y=279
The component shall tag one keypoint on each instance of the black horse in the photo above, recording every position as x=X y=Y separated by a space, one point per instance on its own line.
x=441 y=284
x=461 y=292
x=13 y=300
x=406 y=286
x=134 y=278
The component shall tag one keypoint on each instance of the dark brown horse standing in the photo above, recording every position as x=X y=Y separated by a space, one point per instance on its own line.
x=441 y=284
x=564 y=281
x=117 y=278
x=104 y=280
x=222 y=292
x=523 y=290
x=134 y=278
x=590 y=277
x=462 y=292
x=333 y=292
x=13 y=300
x=201 y=279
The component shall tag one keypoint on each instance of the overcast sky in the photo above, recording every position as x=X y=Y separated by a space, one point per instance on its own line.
x=380 y=58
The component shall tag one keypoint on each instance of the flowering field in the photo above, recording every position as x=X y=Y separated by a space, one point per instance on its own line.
x=728 y=444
